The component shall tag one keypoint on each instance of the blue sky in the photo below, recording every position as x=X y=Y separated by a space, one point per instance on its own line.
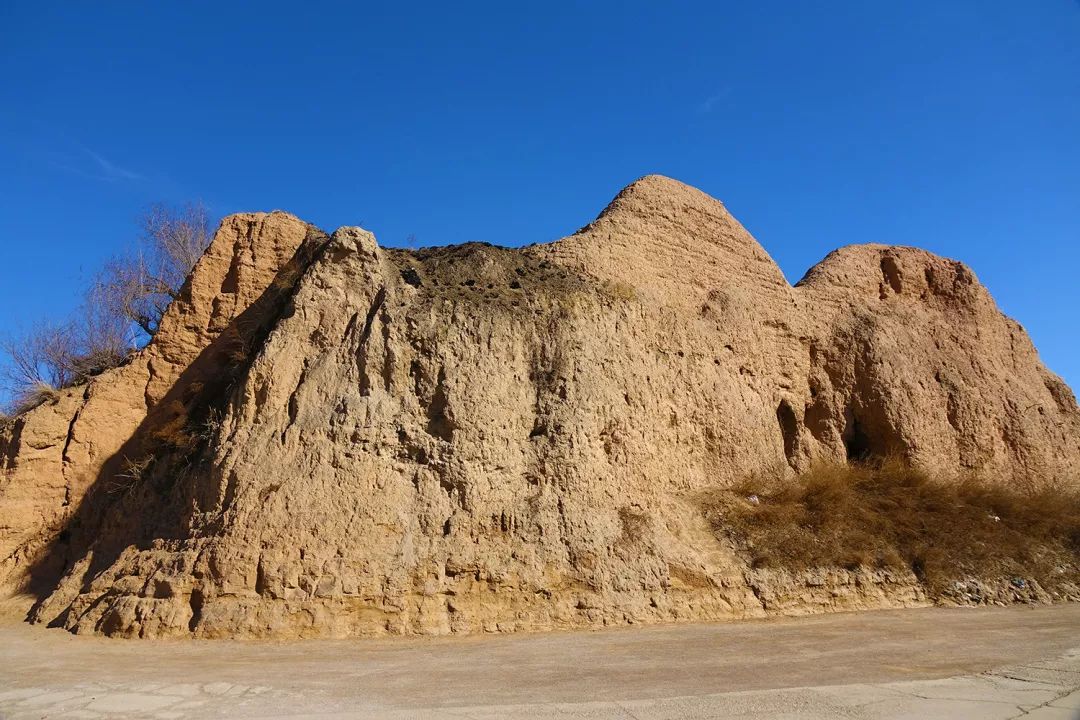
x=952 y=125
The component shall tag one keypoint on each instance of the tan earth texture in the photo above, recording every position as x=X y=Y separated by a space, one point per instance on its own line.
x=329 y=438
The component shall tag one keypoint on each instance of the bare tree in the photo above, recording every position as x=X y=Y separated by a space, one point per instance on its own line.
x=40 y=361
x=101 y=335
x=39 y=356
x=131 y=291
x=51 y=355
x=142 y=283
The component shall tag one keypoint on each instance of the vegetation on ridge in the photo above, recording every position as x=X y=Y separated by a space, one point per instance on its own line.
x=120 y=311
x=887 y=515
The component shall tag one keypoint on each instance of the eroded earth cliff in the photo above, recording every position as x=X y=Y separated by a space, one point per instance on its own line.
x=331 y=438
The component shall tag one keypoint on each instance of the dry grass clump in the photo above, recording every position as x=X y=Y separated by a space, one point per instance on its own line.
x=620 y=290
x=33 y=395
x=50 y=356
x=634 y=524
x=130 y=475
x=888 y=515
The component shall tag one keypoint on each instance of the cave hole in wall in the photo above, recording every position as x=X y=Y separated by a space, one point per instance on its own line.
x=439 y=423
x=197 y=600
x=858 y=444
x=890 y=272
x=789 y=430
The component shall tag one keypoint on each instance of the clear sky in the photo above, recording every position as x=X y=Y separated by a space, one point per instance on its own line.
x=953 y=125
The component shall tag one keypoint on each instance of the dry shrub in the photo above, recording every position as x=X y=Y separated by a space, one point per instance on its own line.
x=287 y=277
x=38 y=358
x=238 y=349
x=887 y=514
x=620 y=290
x=131 y=291
x=634 y=524
x=131 y=475
x=51 y=356
x=34 y=395
x=210 y=425
x=174 y=430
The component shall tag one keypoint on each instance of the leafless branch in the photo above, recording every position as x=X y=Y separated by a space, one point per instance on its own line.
x=132 y=290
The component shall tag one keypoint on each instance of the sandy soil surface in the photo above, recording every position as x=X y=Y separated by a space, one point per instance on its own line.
x=935 y=662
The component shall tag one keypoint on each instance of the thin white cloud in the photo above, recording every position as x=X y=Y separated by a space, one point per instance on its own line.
x=710 y=103
x=110 y=171
x=86 y=163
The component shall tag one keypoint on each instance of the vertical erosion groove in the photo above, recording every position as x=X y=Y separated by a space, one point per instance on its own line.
x=789 y=430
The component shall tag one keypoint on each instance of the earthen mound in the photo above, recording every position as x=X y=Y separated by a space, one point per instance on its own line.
x=328 y=437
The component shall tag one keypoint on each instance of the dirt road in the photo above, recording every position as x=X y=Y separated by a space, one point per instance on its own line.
x=912 y=663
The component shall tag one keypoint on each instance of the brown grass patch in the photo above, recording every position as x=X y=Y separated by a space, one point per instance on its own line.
x=620 y=290
x=888 y=515
x=174 y=431
x=33 y=396
x=131 y=475
x=634 y=523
